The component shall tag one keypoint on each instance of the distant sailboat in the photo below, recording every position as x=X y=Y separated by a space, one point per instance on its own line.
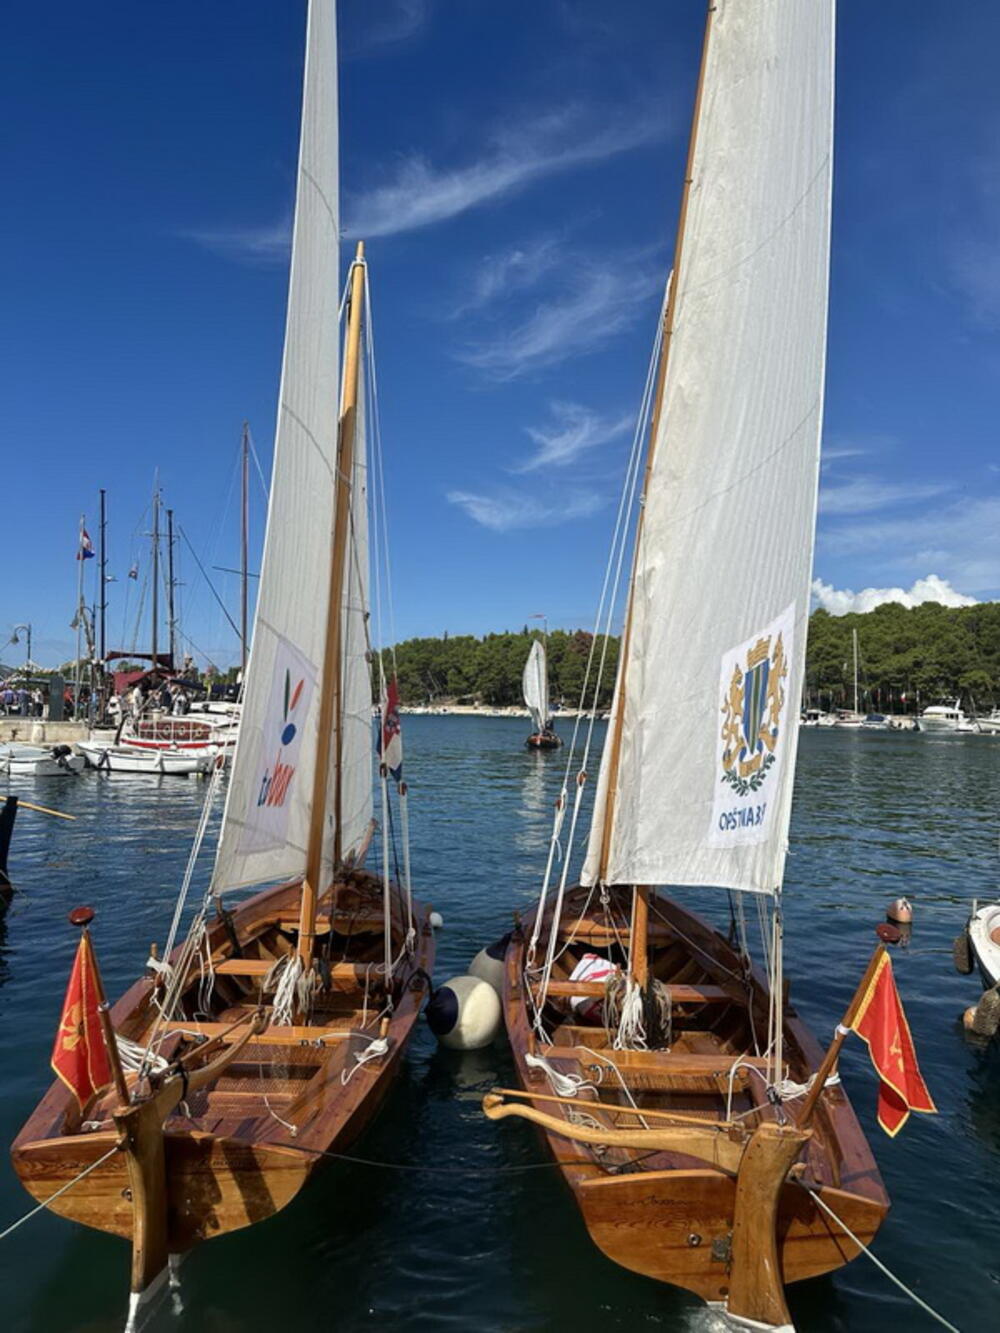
x=274 y=1030
x=535 y=684
x=687 y=1104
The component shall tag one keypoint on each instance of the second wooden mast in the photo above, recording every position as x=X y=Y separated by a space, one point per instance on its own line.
x=638 y=950
x=330 y=740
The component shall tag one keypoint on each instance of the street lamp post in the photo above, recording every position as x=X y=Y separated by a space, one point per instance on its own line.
x=27 y=656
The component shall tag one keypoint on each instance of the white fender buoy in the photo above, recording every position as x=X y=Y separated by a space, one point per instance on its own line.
x=900 y=911
x=488 y=964
x=464 y=1013
x=436 y=920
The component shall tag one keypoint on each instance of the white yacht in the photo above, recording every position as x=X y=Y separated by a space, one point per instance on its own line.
x=946 y=718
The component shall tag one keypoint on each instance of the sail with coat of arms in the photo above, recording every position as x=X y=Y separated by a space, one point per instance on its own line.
x=696 y=780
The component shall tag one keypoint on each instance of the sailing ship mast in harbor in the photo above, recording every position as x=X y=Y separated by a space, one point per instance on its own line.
x=679 y=1109
x=269 y=1035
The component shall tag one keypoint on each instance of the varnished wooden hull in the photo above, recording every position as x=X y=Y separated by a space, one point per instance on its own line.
x=669 y=1216
x=230 y=1162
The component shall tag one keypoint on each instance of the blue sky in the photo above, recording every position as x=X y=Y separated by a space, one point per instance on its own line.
x=515 y=169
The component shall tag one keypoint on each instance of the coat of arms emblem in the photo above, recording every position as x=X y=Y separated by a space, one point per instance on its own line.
x=752 y=714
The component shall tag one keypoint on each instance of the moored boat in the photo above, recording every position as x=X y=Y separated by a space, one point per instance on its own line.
x=272 y=1033
x=39 y=761
x=687 y=1104
x=160 y=761
x=945 y=719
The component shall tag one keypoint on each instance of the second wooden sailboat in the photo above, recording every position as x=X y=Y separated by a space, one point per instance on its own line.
x=674 y=1083
x=271 y=1035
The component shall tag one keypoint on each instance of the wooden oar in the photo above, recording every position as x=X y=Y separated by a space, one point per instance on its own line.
x=43 y=809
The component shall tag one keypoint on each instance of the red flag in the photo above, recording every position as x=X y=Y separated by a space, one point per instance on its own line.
x=881 y=1023
x=79 y=1055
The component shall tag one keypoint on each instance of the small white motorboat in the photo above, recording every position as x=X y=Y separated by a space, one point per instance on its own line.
x=989 y=723
x=944 y=718
x=160 y=763
x=39 y=761
x=979 y=947
x=847 y=717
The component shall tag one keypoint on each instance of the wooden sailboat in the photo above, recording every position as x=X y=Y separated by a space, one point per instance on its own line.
x=535 y=686
x=674 y=1083
x=274 y=1032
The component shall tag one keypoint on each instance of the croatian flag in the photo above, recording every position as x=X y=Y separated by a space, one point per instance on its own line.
x=391 y=737
x=86 y=551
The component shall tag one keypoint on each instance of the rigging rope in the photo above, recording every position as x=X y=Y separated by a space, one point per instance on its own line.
x=62 y=1190
x=607 y=604
x=908 y=1291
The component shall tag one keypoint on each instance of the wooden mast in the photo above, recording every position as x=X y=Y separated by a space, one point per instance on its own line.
x=244 y=536
x=640 y=905
x=331 y=729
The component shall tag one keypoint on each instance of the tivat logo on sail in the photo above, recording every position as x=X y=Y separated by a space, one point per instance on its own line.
x=751 y=710
x=278 y=776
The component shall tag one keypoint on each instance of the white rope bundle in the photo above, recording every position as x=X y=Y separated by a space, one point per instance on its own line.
x=631 y=1033
x=284 y=976
x=563 y=1085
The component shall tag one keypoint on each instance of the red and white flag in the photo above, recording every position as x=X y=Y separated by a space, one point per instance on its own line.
x=391 y=735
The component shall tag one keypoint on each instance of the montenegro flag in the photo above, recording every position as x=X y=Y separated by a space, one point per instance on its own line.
x=79 y=1055
x=880 y=1022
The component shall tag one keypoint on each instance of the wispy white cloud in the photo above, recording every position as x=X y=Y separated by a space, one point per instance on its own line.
x=959 y=539
x=418 y=194
x=269 y=243
x=866 y=494
x=506 y=509
x=575 y=430
x=840 y=601
x=510 y=271
x=973 y=257
x=597 y=303
x=393 y=21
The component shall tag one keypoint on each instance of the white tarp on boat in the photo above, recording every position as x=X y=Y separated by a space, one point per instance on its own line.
x=262 y=841
x=725 y=552
x=535 y=685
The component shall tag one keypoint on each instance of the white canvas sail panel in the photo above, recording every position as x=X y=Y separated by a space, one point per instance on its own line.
x=357 y=750
x=727 y=535
x=292 y=593
x=535 y=685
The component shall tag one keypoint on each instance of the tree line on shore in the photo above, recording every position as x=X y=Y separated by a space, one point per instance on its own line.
x=908 y=658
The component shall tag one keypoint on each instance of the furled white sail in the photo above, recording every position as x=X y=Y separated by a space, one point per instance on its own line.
x=266 y=821
x=535 y=684
x=358 y=744
x=707 y=703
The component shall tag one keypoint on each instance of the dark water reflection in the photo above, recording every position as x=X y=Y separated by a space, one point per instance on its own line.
x=876 y=815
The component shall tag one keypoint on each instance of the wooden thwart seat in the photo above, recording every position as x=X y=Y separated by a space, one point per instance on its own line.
x=355 y=973
x=679 y=994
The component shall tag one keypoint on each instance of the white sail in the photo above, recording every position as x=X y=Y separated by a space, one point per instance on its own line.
x=535 y=685
x=358 y=745
x=266 y=821
x=720 y=593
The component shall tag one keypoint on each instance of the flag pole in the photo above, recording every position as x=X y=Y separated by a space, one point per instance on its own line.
x=82 y=917
x=843 y=1028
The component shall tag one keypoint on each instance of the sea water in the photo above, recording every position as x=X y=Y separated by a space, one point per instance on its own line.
x=469 y=1244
